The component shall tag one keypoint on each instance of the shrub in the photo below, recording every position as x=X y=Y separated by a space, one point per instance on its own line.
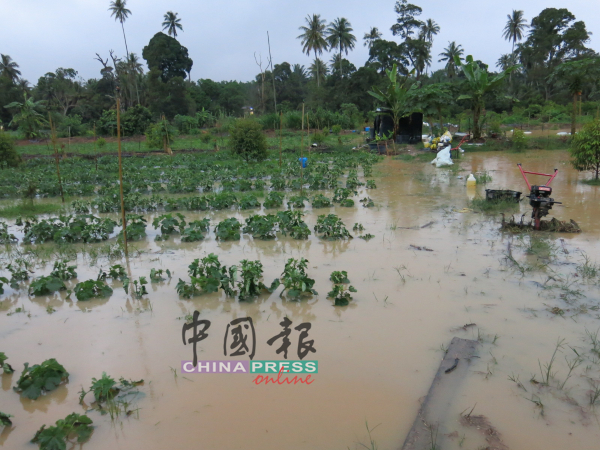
x=8 y=155
x=337 y=129
x=247 y=140
x=136 y=120
x=157 y=133
x=519 y=140
x=319 y=138
x=585 y=149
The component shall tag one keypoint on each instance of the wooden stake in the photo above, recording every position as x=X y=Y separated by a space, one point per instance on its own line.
x=280 y=136
x=53 y=131
x=308 y=133
x=121 y=174
x=95 y=151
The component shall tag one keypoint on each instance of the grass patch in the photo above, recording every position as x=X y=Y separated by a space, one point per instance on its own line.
x=592 y=182
x=26 y=209
x=493 y=206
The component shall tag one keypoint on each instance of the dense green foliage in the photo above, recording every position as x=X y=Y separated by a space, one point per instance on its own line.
x=71 y=427
x=247 y=140
x=8 y=155
x=585 y=149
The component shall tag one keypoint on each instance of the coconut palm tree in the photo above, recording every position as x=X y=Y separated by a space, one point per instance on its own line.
x=515 y=27
x=371 y=37
x=449 y=54
x=313 y=38
x=506 y=60
x=120 y=12
x=339 y=34
x=172 y=23
x=429 y=29
x=9 y=68
x=318 y=69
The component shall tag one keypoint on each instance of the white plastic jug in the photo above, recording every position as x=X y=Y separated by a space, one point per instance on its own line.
x=471 y=181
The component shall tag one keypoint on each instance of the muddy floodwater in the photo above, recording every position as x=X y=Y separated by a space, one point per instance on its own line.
x=377 y=356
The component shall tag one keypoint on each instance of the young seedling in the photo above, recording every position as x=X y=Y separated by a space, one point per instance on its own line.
x=6 y=368
x=63 y=271
x=156 y=275
x=5 y=419
x=340 y=293
x=39 y=379
x=139 y=287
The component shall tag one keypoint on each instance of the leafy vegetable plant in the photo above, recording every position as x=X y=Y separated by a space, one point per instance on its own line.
x=294 y=279
x=46 y=286
x=38 y=379
x=274 y=200
x=5 y=419
x=339 y=277
x=341 y=294
x=331 y=227
x=195 y=230
x=262 y=227
x=89 y=289
x=291 y=222
x=156 y=275
x=57 y=437
x=228 y=229
x=168 y=224
x=249 y=284
x=320 y=201
x=208 y=275
x=138 y=288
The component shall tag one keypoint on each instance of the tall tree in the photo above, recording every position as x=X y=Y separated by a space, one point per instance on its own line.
x=515 y=27
x=449 y=55
x=406 y=23
x=9 y=68
x=313 y=38
x=339 y=34
x=171 y=23
x=61 y=89
x=429 y=29
x=121 y=13
x=373 y=35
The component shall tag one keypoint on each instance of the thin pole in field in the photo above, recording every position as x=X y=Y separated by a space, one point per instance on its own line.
x=302 y=154
x=95 y=150
x=121 y=173
x=280 y=136
x=53 y=131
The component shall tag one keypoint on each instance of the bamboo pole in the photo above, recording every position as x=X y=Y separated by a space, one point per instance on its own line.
x=53 y=134
x=302 y=155
x=280 y=136
x=121 y=174
x=95 y=150
x=308 y=132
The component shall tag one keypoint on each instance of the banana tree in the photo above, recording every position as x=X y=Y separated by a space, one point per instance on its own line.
x=477 y=84
x=395 y=98
x=28 y=119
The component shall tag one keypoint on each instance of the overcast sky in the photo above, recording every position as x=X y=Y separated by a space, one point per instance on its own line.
x=222 y=37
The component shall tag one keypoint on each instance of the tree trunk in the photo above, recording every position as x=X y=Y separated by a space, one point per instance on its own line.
x=126 y=49
x=476 y=114
x=341 y=74
x=317 y=66
x=441 y=121
x=574 y=115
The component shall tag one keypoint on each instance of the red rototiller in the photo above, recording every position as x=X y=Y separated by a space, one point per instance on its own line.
x=539 y=196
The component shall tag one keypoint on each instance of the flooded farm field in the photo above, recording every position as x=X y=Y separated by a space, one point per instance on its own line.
x=435 y=269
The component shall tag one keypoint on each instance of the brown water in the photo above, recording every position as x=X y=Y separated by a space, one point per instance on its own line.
x=377 y=357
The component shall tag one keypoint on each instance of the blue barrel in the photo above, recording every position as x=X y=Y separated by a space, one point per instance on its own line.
x=367 y=129
x=303 y=161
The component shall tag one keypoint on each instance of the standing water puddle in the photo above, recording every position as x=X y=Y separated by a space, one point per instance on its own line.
x=377 y=356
